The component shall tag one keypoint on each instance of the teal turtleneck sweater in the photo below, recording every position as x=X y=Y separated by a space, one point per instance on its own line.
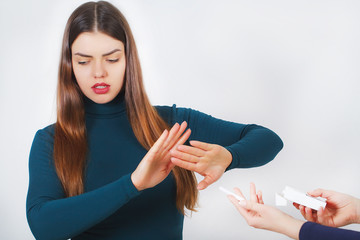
x=111 y=207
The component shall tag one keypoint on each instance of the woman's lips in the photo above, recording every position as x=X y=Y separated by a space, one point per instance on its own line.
x=100 y=88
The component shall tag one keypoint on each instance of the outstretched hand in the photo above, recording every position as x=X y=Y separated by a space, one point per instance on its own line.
x=156 y=164
x=209 y=160
x=341 y=209
x=263 y=216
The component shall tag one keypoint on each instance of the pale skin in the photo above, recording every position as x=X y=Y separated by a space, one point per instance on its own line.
x=209 y=160
x=100 y=59
x=265 y=217
x=343 y=209
x=156 y=164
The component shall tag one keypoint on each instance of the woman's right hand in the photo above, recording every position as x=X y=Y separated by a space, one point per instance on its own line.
x=156 y=164
x=259 y=215
x=341 y=209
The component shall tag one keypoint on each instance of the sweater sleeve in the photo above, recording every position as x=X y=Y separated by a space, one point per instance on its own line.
x=53 y=216
x=250 y=145
x=310 y=231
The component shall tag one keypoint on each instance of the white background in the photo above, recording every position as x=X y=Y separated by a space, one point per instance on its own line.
x=292 y=66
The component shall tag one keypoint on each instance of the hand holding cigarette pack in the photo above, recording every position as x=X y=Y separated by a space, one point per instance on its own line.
x=299 y=197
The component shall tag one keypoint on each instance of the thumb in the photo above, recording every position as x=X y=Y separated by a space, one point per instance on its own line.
x=317 y=193
x=204 y=183
x=170 y=166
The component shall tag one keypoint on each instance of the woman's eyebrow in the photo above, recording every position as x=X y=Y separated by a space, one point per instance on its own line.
x=111 y=52
x=82 y=55
x=104 y=55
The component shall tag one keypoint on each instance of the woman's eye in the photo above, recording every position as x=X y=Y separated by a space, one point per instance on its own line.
x=113 y=60
x=82 y=62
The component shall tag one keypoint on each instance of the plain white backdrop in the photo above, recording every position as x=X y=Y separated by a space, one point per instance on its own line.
x=292 y=66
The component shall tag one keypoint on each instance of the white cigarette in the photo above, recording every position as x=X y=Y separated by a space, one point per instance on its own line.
x=232 y=194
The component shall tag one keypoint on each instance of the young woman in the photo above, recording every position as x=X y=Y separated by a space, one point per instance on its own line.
x=111 y=167
x=341 y=210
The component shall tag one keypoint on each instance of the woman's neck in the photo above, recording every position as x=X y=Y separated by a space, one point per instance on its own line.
x=115 y=106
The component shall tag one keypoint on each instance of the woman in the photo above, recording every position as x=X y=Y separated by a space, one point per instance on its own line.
x=102 y=171
x=341 y=210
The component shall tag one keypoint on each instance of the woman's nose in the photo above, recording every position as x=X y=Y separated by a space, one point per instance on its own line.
x=99 y=70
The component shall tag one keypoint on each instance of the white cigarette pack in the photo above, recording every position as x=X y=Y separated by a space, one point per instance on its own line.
x=294 y=195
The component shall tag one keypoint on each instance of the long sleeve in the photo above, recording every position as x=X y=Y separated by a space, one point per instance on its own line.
x=51 y=215
x=250 y=145
x=314 y=231
x=111 y=207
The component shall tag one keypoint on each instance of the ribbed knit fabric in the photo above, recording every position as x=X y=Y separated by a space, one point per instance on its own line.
x=111 y=207
x=314 y=231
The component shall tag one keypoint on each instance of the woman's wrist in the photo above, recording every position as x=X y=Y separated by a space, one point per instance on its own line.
x=135 y=182
x=357 y=210
x=291 y=227
x=228 y=158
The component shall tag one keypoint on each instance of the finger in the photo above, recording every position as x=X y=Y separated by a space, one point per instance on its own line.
x=248 y=214
x=239 y=206
x=191 y=150
x=183 y=138
x=309 y=214
x=253 y=197
x=184 y=156
x=172 y=133
x=302 y=211
x=202 y=185
x=201 y=145
x=320 y=215
x=296 y=205
x=260 y=198
x=238 y=192
x=183 y=164
x=173 y=139
x=155 y=148
x=250 y=206
x=179 y=133
x=320 y=193
x=205 y=183
x=316 y=193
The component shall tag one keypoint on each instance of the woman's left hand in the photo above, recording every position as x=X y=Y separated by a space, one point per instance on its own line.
x=209 y=160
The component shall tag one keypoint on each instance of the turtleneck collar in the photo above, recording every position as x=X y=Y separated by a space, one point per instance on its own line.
x=114 y=107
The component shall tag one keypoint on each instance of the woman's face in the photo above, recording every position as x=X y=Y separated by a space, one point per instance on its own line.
x=99 y=63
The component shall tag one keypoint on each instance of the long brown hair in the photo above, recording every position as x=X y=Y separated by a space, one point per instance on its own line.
x=70 y=141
